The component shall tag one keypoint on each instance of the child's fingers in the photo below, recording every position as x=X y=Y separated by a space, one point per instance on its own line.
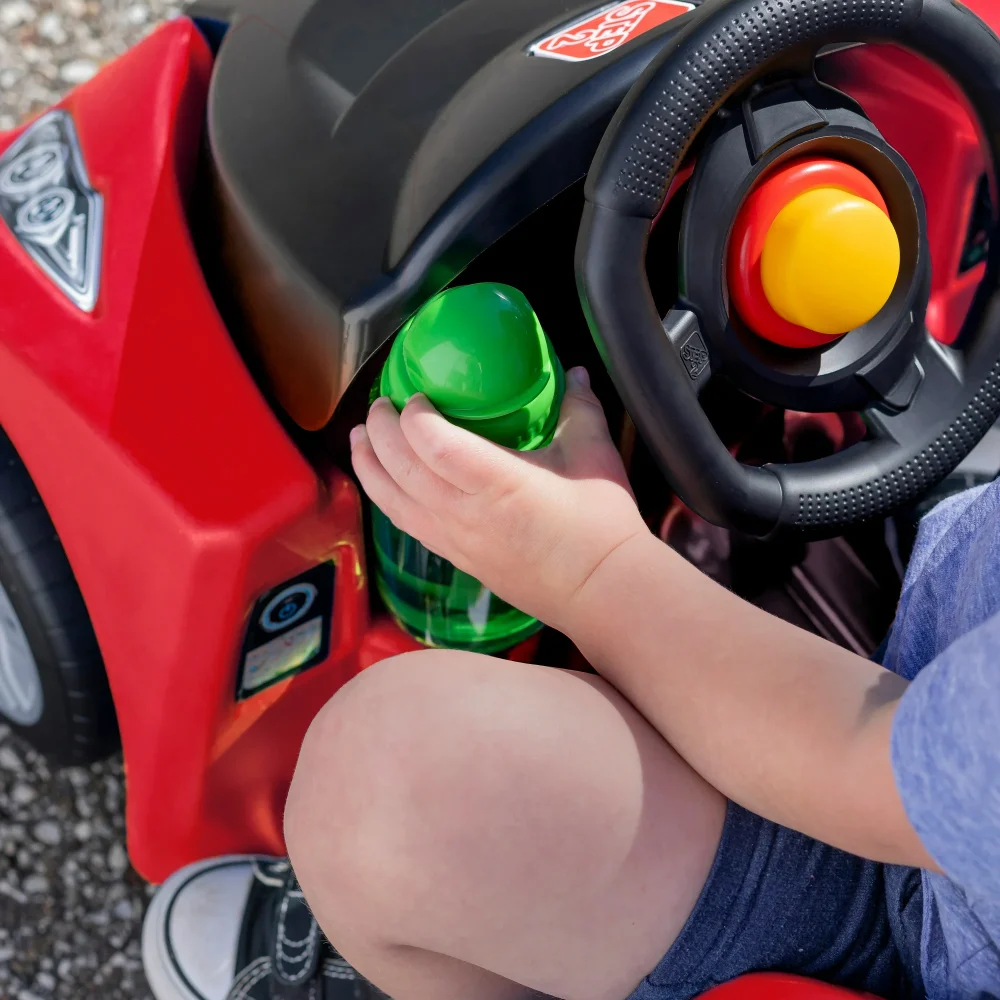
x=582 y=420
x=459 y=457
x=381 y=488
x=399 y=460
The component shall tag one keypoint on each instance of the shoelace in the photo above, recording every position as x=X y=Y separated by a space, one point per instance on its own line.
x=301 y=963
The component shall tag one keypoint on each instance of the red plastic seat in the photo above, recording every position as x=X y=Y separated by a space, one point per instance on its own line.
x=779 y=986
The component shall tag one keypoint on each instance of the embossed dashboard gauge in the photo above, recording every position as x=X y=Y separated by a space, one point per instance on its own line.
x=44 y=219
x=37 y=168
x=52 y=209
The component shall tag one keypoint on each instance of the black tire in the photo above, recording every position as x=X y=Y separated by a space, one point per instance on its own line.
x=68 y=715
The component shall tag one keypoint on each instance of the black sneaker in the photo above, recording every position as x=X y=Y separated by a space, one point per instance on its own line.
x=238 y=928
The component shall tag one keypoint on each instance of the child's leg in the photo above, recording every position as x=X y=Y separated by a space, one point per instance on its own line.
x=454 y=813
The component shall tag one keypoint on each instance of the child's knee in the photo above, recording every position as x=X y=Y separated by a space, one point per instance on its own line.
x=338 y=747
x=365 y=752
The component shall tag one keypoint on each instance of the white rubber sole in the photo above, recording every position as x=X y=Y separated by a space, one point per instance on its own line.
x=164 y=978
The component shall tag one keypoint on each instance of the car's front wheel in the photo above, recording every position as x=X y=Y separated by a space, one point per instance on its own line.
x=53 y=688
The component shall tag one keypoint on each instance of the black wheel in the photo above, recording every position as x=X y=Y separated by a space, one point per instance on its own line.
x=53 y=688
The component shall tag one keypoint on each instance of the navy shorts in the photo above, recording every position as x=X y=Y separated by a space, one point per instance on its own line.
x=779 y=901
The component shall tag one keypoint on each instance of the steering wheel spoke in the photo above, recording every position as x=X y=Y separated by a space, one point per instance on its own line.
x=683 y=332
x=924 y=394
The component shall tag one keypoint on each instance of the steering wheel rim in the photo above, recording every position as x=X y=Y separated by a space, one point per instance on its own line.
x=727 y=46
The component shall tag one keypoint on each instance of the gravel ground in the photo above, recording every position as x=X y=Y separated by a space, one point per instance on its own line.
x=49 y=46
x=70 y=906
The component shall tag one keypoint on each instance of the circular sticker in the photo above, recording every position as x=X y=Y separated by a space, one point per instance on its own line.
x=36 y=168
x=288 y=607
x=45 y=217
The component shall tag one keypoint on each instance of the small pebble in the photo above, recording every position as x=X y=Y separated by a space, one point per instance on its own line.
x=22 y=794
x=92 y=48
x=77 y=777
x=50 y=27
x=117 y=859
x=16 y=12
x=78 y=71
x=45 y=981
x=33 y=54
x=48 y=832
x=35 y=885
x=8 y=890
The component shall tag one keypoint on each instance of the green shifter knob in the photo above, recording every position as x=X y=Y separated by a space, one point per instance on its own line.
x=481 y=357
x=479 y=354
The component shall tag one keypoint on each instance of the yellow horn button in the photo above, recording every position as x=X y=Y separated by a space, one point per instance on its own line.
x=830 y=261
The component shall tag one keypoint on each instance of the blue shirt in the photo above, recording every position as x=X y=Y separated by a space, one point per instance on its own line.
x=946 y=737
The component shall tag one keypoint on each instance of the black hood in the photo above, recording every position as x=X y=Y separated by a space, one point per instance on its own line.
x=366 y=152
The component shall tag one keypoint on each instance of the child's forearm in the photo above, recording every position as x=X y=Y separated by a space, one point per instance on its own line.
x=781 y=721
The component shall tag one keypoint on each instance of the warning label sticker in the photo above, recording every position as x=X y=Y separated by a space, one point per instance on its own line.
x=281 y=657
x=288 y=631
x=607 y=29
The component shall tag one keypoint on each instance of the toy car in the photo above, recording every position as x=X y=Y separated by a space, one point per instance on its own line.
x=207 y=249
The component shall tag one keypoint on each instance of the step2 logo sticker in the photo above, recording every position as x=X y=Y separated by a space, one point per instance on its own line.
x=607 y=29
x=48 y=202
x=288 y=632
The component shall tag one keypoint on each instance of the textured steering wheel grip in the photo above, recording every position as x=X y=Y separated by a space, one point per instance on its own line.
x=873 y=478
x=722 y=45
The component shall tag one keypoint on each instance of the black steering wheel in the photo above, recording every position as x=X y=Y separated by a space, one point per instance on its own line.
x=739 y=78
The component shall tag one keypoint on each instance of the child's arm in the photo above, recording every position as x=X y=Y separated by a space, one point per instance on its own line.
x=781 y=721
x=785 y=723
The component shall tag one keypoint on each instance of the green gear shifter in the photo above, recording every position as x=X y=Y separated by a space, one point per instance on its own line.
x=479 y=354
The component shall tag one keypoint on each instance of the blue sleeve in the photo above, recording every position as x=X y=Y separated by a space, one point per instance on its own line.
x=946 y=758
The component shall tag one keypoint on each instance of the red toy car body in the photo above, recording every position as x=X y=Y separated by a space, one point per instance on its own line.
x=178 y=492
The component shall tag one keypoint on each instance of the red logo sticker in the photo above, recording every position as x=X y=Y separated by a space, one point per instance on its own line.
x=608 y=29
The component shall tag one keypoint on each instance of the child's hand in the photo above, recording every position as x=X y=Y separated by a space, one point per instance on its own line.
x=532 y=526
